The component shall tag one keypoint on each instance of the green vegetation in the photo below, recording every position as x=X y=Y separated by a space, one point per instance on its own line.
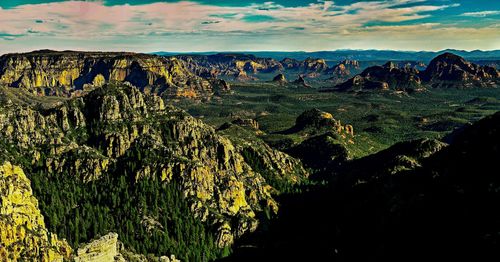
x=380 y=119
x=151 y=217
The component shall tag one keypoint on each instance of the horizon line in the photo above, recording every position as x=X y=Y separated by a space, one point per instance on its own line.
x=250 y=51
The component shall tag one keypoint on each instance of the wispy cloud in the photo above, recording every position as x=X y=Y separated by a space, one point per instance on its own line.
x=191 y=25
x=481 y=13
x=93 y=19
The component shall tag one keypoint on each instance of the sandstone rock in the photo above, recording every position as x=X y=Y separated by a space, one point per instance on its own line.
x=104 y=249
x=64 y=73
x=23 y=235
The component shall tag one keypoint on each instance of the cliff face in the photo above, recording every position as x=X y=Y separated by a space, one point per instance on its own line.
x=64 y=73
x=103 y=132
x=23 y=235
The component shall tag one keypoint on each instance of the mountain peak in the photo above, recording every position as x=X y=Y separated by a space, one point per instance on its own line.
x=450 y=70
x=448 y=57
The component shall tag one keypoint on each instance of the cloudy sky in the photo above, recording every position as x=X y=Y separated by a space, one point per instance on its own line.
x=235 y=25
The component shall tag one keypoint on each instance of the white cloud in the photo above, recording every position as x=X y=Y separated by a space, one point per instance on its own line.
x=481 y=14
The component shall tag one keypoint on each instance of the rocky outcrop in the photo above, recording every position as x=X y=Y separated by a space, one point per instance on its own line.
x=343 y=71
x=250 y=123
x=386 y=77
x=69 y=73
x=320 y=151
x=104 y=249
x=280 y=79
x=316 y=119
x=23 y=235
x=301 y=82
x=242 y=76
x=449 y=70
x=313 y=65
x=446 y=70
x=326 y=139
x=344 y=68
x=109 y=249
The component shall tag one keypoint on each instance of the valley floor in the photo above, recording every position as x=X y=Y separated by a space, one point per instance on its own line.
x=380 y=119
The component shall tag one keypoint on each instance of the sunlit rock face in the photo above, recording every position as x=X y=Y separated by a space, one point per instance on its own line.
x=104 y=132
x=68 y=73
x=23 y=235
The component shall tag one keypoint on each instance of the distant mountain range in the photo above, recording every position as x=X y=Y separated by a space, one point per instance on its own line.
x=362 y=55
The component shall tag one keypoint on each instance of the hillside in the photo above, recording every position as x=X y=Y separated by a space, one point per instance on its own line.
x=137 y=152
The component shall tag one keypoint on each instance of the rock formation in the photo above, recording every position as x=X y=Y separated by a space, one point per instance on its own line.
x=386 y=77
x=316 y=119
x=23 y=235
x=326 y=139
x=449 y=70
x=308 y=65
x=235 y=65
x=242 y=76
x=301 y=82
x=104 y=249
x=280 y=79
x=220 y=86
x=446 y=70
x=68 y=73
x=343 y=71
x=251 y=123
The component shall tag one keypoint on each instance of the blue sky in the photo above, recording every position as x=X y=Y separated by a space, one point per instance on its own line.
x=235 y=25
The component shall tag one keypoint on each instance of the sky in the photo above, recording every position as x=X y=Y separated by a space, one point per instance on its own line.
x=235 y=25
